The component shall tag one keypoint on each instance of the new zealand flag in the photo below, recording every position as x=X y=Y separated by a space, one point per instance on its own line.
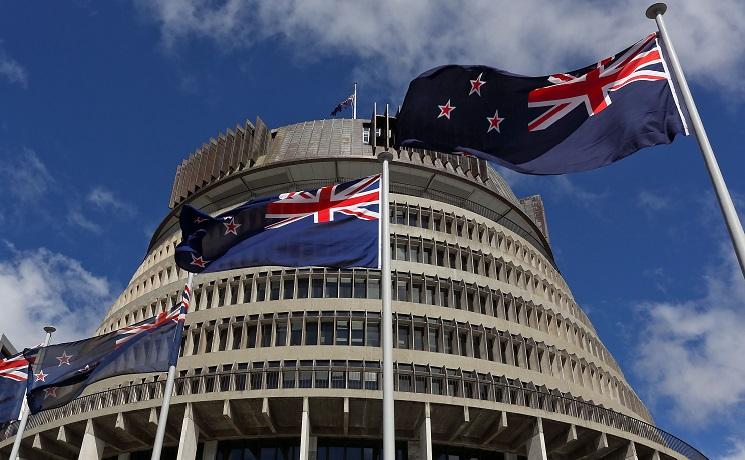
x=556 y=124
x=59 y=373
x=13 y=377
x=334 y=226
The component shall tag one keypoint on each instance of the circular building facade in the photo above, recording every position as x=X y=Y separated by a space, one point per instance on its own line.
x=493 y=357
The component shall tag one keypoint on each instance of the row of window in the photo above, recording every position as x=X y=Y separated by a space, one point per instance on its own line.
x=365 y=284
x=343 y=374
x=452 y=224
x=344 y=328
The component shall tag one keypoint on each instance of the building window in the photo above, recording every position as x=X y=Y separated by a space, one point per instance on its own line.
x=302 y=287
x=311 y=332
x=358 y=333
x=342 y=332
x=317 y=288
x=332 y=287
x=345 y=287
x=251 y=333
x=289 y=288
x=360 y=287
x=419 y=338
x=237 y=336
x=266 y=335
x=274 y=289
x=296 y=332
x=281 y=338
x=404 y=335
x=373 y=334
x=327 y=332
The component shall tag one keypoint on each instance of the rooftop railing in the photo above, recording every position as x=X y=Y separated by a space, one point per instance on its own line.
x=463 y=384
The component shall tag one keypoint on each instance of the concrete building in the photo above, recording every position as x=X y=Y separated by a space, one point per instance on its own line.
x=494 y=359
x=6 y=348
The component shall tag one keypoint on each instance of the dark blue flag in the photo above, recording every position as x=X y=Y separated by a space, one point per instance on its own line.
x=59 y=373
x=343 y=105
x=13 y=375
x=556 y=124
x=334 y=226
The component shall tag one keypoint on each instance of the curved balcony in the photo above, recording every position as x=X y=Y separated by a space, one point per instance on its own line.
x=482 y=393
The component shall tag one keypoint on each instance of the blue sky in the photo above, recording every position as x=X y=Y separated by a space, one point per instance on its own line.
x=100 y=101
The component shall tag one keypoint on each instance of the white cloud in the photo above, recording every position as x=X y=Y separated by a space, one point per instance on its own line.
x=737 y=452
x=11 y=69
x=40 y=287
x=24 y=176
x=104 y=199
x=691 y=351
x=76 y=218
x=652 y=201
x=395 y=40
x=562 y=185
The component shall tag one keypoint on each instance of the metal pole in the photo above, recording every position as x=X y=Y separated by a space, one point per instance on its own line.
x=389 y=433
x=354 y=102
x=725 y=200
x=389 y=424
x=24 y=409
x=167 y=392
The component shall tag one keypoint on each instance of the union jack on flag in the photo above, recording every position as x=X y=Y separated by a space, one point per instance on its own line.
x=13 y=377
x=592 y=89
x=14 y=368
x=322 y=204
x=176 y=315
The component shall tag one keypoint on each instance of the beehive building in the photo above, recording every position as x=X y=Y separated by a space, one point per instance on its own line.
x=494 y=359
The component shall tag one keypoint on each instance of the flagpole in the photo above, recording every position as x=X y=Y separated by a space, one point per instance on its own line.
x=354 y=102
x=720 y=187
x=24 y=408
x=389 y=425
x=167 y=392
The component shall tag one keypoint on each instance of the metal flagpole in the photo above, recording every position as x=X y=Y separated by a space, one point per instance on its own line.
x=354 y=102
x=389 y=425
x=725 y=200
x=167 y=392
x=24 y=409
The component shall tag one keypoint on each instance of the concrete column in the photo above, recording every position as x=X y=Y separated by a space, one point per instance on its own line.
x=537 y=444
x=425 y=435
x=92 y=447
x=305 y=431
x=210 y=450
x=629 y=453
x=187 y=443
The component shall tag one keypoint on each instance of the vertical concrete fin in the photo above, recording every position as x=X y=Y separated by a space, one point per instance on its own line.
x=187 y=444
x=92 y=446
x=537 y=444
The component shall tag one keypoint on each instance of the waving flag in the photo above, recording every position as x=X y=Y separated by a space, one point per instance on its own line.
x=561 y=123
x=343 y=105
x=334 y=226
x=59 y=373
x=13 y=375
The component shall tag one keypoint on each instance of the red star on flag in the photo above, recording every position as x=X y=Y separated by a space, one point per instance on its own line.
x=40 y=376
x=445 y=110
x=476 y=85
x=198 y=261
x=50 y=392
x=494 y=121
x=231 y=227
x=64 y=359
